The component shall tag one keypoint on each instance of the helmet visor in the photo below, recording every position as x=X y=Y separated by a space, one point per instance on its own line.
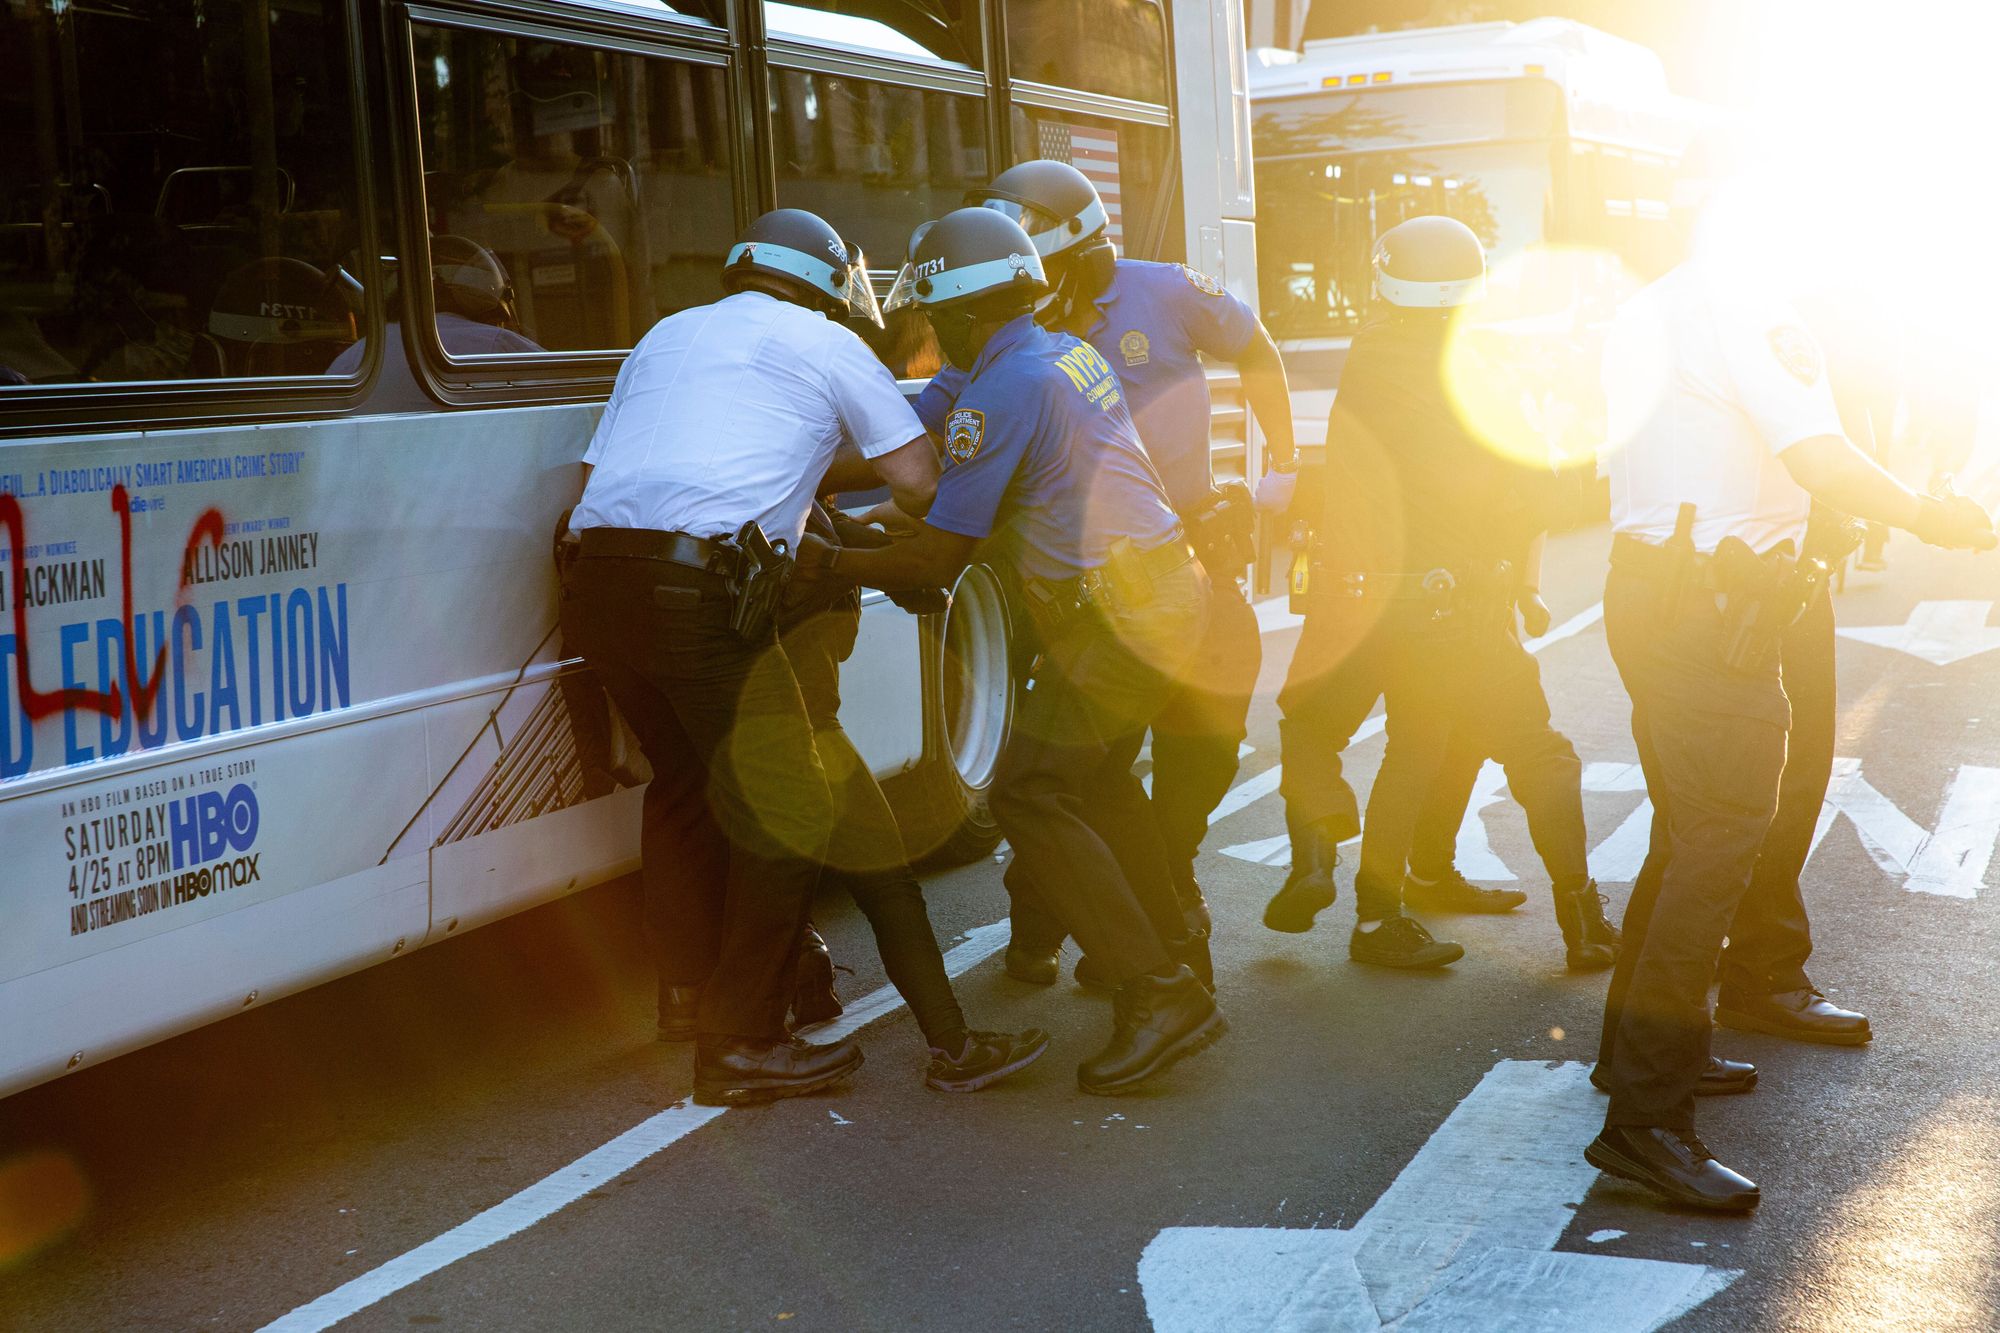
x=903 y=291
x=861 y=306
x=1033 y=220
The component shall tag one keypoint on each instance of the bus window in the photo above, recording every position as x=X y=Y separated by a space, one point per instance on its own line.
x=1114 y=47
x=1319 y=217
x=597 y=181
x=909 y=30
x=1618 y=201
x=874 y=159
x=1127 y=162
x=191 y=225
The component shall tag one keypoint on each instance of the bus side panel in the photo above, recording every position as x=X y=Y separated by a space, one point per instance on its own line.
x=881 y=689
x=491 y=874
x=85 y=1012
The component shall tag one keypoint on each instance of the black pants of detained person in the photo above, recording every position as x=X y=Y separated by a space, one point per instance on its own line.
x=738 y=815
x=865 y=854
x=1088 y=851
x=1711 y=740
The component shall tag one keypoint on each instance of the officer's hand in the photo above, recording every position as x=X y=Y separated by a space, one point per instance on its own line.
x=891 y=519
x=1275 y=491
x=1955 y=522
x=923 y=601
x=815 y=558
x=1535 y=617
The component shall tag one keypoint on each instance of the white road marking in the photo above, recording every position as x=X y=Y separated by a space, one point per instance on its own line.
x=1462 y=1239
x=1263 y=784
x=1608 y=1233
x=557 y=1191
x=502 y=1220
x=1949 y=861
x=1939 y=632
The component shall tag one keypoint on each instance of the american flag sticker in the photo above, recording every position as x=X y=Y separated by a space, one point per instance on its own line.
x=1094 y=152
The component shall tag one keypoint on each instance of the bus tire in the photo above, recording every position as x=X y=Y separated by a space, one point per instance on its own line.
x=969 y=682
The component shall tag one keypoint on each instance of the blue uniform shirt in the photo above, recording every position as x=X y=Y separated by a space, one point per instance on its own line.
x=1039 y=448
x=1151 y=322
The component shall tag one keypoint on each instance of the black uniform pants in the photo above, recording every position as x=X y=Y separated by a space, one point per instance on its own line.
x=1087 y=851
x=865 y=854
x=1196 y=738
x=1711 y=740
x=1464 y=681
x=738 y=815
x=1335 y=677
x=1771 y=937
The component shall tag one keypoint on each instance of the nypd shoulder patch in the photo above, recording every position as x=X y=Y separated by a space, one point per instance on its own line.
x=964 y=432
x=1201 y=282
x=1796 y=352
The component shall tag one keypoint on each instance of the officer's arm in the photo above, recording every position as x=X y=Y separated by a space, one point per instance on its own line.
x=1269 y=396
x=910 y=471
x=1842 y=476
x=933 y=558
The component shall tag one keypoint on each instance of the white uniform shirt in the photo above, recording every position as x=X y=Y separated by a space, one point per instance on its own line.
x=731 y=412
x=1708 y=385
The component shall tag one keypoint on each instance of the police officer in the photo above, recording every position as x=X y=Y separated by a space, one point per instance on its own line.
x=1432 y=542
x=724 y=422
x=1042 y=458
x=1710 y=497
x=1154 y=322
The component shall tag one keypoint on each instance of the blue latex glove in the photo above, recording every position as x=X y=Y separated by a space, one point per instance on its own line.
x=1275 y=491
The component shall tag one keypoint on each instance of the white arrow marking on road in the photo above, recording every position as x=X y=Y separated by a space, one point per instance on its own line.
x=1463 y=1239
x=1939 y=632
x=1949 y=861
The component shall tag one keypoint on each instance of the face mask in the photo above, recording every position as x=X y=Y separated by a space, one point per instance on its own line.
x=954 y=335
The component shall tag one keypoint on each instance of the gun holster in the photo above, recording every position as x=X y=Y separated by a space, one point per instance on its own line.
x=758 y=587
x=1762 y=597
x=1222 y=528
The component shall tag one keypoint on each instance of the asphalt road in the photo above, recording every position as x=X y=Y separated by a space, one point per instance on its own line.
x=241 y=1172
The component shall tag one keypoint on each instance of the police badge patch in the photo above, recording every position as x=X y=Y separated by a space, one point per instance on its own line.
x=964 y=432
x=1201 y=282
x=1136 y=348
x=1796 y=352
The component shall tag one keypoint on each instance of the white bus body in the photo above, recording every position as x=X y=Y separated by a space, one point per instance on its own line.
x=282 y=686
x=1535 y=133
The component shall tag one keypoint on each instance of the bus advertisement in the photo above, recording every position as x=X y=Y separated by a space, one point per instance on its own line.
x=310 y=309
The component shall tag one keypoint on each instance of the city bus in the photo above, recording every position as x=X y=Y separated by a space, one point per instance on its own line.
x=1547 y=133
x=310 y=309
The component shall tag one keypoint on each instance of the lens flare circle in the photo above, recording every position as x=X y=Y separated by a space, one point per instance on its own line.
x=1524 y=366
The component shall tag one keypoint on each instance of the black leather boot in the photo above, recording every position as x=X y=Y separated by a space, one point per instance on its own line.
x=678 y=1006
x=1588 y=936
x=739 y=1072
x=1155 y=1022
x=1673 y=1164
x=814 y=999
x=1309 y=888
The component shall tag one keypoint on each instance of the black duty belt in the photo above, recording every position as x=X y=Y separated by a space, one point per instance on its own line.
x=710 y=555
x=1424 y=585
x=1662 y=564
x=1125 y=581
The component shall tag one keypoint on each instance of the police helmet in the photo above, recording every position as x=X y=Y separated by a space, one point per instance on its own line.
x=279 y=316
x=804 y=250
x=468 y=280
x=966 y=256
x=1054 y=202
x=1429 y=263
